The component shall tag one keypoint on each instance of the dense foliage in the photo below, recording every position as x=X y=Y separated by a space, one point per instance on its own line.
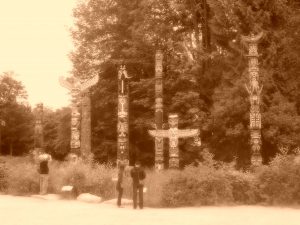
x=211 y=183
x=16 y=117
x=205 y=70
x=17 y=121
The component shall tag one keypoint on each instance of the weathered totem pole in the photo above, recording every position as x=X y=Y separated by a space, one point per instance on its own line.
x=73 y=86
x=80 y=125
x=254 y=91
x=173 y=134
x=38 y=129
x=86 y=130
x=123 y=127
x=159 y=141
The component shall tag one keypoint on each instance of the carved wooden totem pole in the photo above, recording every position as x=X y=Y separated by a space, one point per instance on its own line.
x=80 y=125
x=123 y=127
x=38 y=129
x=254 y=91
x=86 y=130
x=159 y=141
x=173 y=134
x=73 y=86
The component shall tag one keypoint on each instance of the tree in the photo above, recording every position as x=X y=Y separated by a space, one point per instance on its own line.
x=17 y=135
x=57 y=132
x=205 y=70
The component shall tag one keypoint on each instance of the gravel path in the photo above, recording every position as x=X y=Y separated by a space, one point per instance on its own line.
x=34 y=211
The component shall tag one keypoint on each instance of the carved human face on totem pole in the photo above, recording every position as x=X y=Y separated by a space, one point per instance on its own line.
x=173 y=121
x=173 y=139
x=255 y=140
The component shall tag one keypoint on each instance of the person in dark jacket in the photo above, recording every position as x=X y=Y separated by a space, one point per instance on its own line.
x=44 y=158
x=119 y=186
x=137 y=175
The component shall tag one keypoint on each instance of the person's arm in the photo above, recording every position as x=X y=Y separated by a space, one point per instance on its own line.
x=142 y=175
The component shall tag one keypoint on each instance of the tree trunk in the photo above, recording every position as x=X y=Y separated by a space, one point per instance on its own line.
x=11 y=149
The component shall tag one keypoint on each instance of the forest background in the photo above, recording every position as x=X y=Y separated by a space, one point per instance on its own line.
x=205 y=72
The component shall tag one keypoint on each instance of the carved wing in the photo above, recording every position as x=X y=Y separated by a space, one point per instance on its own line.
x=188 y=133
x=252 y=38
x=89 y=83
x=64 y=83
x=159 y=133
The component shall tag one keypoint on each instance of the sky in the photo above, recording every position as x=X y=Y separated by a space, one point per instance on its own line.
x=35 y=42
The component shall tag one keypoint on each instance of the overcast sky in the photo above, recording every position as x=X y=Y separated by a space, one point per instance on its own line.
x=34 y=43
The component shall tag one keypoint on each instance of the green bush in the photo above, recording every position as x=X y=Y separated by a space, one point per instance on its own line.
x=197 y=186
x=208 y=184
x=23 y=179
x=85 y=177
x=244 y=188
x=279 y=183
x=3 y=177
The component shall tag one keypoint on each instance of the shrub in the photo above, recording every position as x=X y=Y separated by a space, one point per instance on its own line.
x=154 y=182
x=197 y=186
x=23 y=179
x=244 y=187
x=3 y=177
x=210 y=183
x=85 y=177
x=279 y=183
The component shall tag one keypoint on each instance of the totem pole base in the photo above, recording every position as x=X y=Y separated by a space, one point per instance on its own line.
x=159 y=166
x=256 y=160
x=174 y=163
x=124 y=163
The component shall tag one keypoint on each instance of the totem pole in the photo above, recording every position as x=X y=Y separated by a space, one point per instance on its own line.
x=86 y=131
x=173 y=134
x=38 y=129
x=254 y=91
x=80 y=135
x=159 y=143
x=123 y=128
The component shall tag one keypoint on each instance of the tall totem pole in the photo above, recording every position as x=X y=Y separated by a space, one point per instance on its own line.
x=254 y=91
x=38 y=129
x=86 y=130
x=80 y=125
x=123 y=127
x=159 y=141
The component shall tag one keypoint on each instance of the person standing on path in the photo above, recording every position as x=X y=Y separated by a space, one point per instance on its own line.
x=119 y=186
x=137 y=175
x=44 y=159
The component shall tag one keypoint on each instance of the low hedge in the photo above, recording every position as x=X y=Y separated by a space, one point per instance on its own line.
x=207 y=184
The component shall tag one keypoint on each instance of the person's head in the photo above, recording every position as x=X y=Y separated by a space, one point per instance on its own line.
x=137 y=164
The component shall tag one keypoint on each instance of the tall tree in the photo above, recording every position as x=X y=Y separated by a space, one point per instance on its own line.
x=204 y=69
x=17 y=134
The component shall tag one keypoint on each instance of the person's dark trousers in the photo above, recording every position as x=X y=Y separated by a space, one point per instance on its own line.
x=138 y=189
x=120 y=194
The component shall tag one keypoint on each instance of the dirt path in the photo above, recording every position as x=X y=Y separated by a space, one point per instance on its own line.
x=33 y=211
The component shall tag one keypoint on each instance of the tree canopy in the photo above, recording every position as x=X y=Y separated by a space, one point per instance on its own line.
x=205 y=70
